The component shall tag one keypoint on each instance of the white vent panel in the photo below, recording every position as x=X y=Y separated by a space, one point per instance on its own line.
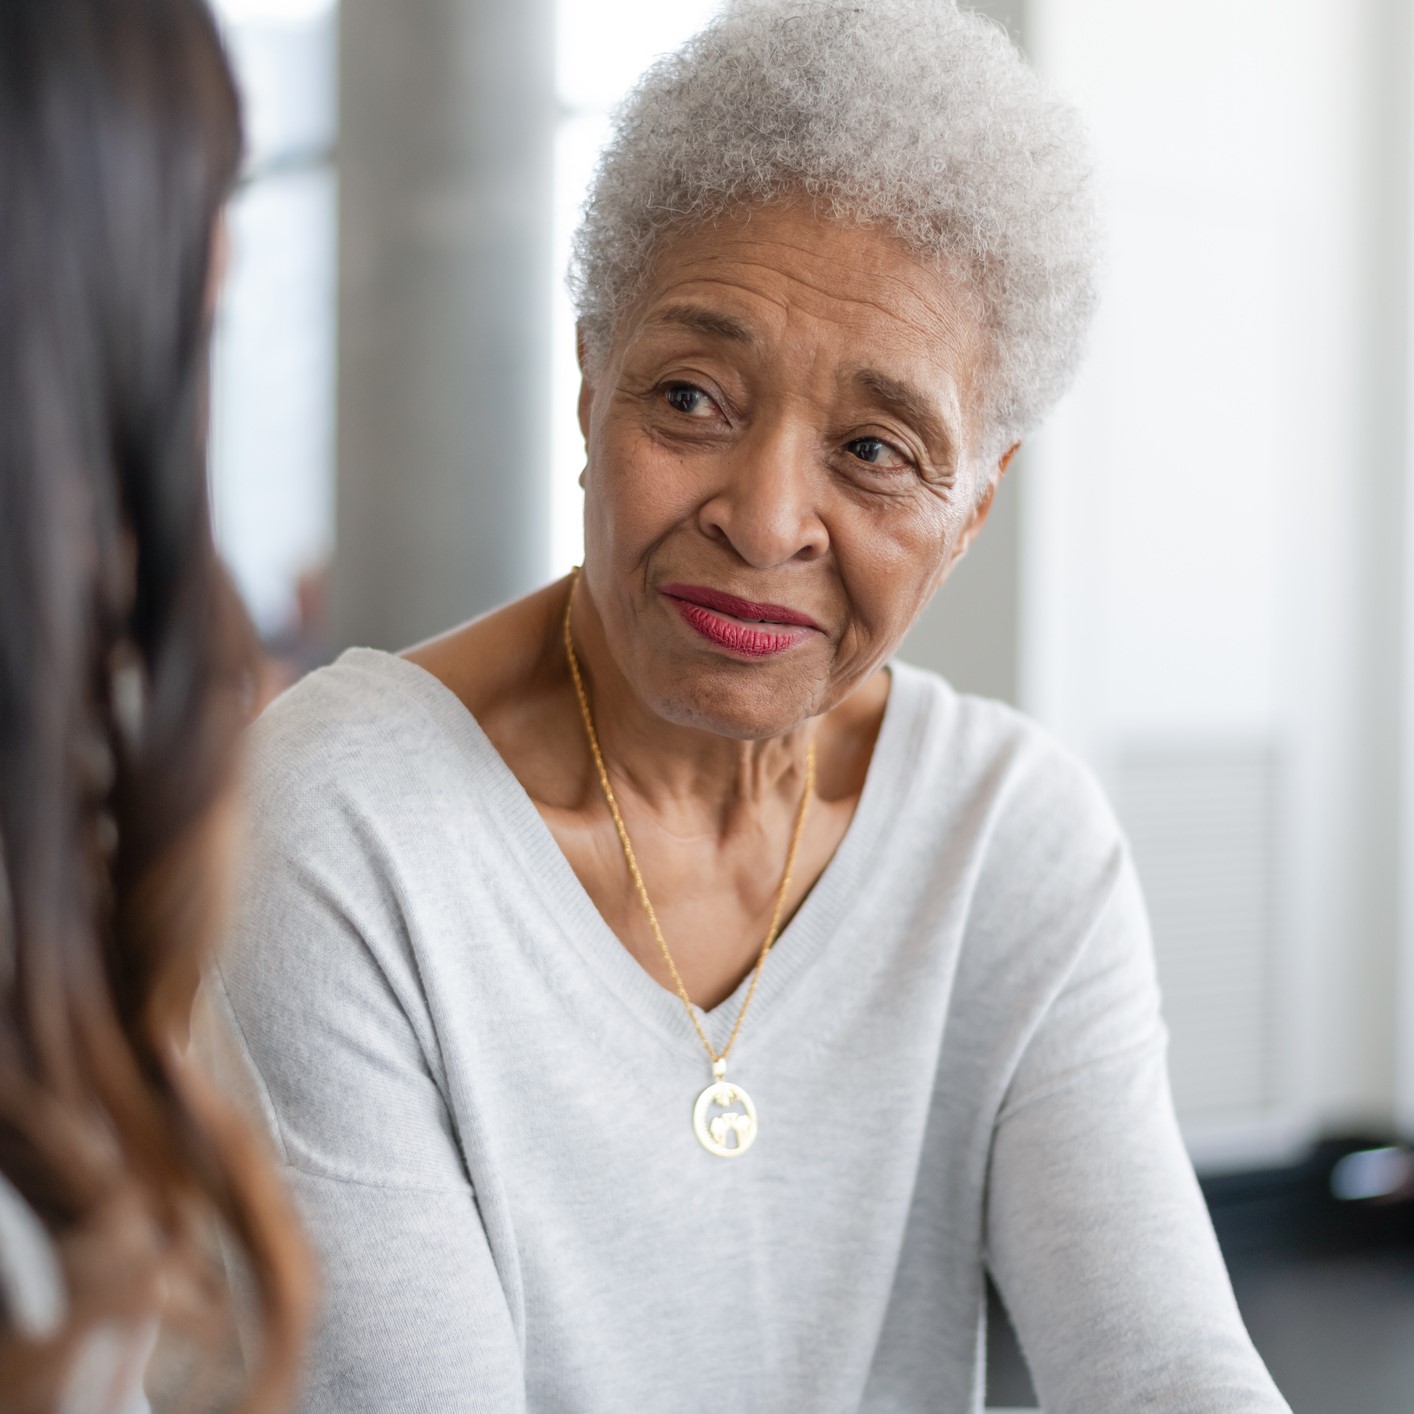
x=1201 y=819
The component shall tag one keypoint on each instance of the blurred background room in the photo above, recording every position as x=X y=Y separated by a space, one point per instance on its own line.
x=1199 y=576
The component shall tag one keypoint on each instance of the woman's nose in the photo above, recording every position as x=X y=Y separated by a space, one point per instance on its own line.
x=765 y=502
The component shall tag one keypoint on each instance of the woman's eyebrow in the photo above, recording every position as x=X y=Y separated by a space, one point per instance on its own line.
x=911 y=402
x=704 y=321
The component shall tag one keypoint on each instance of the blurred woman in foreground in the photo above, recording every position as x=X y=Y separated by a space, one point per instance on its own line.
x=125 y=665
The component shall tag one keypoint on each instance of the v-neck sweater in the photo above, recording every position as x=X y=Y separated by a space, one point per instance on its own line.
x=483 y=1103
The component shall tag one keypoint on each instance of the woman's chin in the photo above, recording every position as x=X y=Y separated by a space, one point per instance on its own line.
x=733 y=705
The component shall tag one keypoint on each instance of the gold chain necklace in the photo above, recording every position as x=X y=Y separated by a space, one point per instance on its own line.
x=731 y=1132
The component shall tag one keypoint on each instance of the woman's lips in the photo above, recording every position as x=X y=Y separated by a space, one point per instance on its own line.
x=739 y=625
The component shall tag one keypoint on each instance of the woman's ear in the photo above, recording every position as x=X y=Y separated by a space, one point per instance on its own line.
x=586 y=385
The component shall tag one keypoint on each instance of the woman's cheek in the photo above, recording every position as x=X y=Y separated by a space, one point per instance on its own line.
x=890 y=560
x=653 y=491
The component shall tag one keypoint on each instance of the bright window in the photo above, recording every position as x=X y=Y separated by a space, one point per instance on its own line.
x=273 y=401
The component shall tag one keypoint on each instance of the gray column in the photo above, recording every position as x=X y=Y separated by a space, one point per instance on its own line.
x=446 y=157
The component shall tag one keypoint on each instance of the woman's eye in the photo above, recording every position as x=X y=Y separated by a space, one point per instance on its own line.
x=875 y=452
x=686 y=399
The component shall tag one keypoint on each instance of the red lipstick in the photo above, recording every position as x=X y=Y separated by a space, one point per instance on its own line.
x=741 y=626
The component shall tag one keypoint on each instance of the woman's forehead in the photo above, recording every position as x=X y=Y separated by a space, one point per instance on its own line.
x=787 y=253
x=850 y=301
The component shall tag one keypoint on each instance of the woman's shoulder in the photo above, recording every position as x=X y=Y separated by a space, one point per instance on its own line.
x=368 y=723
x=427 y=708
x=1018 y=832
x=357 y=697
x=986 y=758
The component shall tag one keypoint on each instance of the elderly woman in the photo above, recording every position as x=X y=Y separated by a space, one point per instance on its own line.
x=661 y=999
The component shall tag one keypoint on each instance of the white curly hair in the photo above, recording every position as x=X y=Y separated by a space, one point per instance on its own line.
x=913 y=115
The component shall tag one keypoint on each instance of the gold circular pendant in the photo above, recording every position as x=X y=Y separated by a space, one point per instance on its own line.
x=720 y=1129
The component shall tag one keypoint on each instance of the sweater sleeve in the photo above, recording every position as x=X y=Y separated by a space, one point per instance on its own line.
x=316 y=1023
x=1097 y=1232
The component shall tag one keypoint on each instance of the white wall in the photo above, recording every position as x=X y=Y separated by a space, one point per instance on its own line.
x=1213 y=539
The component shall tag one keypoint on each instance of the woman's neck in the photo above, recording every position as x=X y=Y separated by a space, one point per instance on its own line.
x=510 y=670
x=692 y=779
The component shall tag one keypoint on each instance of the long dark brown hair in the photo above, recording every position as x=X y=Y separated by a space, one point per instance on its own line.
x=125 y=673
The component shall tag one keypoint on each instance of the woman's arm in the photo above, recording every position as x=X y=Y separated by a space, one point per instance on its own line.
x=1097 y=1233
x=316 y=1022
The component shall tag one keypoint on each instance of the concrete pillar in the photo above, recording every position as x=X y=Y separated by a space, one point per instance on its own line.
x=447 y=110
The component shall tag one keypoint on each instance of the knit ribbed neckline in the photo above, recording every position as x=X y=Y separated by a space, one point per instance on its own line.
x=821 y=920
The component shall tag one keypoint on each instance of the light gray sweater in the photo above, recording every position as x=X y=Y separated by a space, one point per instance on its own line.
x=484 y=1104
